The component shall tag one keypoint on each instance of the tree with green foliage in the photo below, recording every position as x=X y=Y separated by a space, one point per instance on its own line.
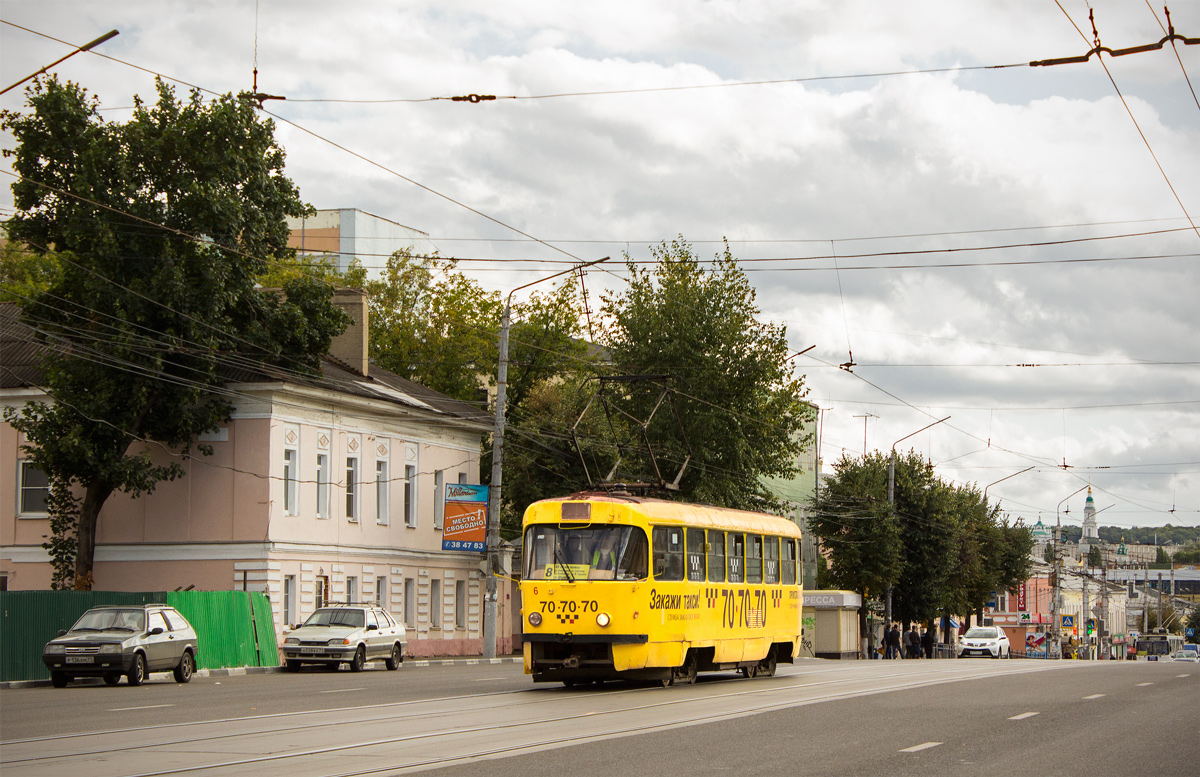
x=946 y=550
x=740 y=403
x=859 y=531
x=433 y=325
x=160 y=227
x=1094 y=557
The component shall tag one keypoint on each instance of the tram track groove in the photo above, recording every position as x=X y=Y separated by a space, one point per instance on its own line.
x=893 y=682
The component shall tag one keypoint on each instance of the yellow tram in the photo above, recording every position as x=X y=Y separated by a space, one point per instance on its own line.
x=622 y=587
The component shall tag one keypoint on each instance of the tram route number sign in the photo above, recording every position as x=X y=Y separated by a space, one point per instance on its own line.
x=464 y=525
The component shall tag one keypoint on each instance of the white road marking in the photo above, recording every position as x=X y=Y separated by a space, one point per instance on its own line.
x=488 y=679
x=1094 y=696
x=1144 y=684
x=343 y=690
x=1183 y=675
x=1023 y=715
x=147 y=707
x=916 y=748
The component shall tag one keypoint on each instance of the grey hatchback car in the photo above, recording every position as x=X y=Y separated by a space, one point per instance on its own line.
x=127 y=641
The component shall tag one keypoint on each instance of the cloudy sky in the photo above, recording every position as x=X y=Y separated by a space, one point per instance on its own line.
x=1007 y=245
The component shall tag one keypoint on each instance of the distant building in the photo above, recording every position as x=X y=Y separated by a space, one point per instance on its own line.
x=349 y=233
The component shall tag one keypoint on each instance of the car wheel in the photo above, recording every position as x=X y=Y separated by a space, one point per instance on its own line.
x=360 y=658
x=112 y=678
x=137 y=672
x=393 y=661
x=187 y=667
x=59 y=680
x=293 y=666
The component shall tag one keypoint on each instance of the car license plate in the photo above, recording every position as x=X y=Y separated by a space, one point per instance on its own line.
x=80 y=660
x=312 y=650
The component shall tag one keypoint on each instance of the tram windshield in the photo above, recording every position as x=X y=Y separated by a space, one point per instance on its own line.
x=592 y=553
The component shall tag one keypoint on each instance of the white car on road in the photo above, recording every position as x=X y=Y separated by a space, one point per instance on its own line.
x=345 y=634
x=986 y=641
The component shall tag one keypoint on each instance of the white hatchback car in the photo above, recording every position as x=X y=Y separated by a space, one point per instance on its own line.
x=986 y=641
x=346 y=634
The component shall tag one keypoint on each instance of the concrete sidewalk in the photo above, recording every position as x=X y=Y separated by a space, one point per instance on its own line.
x=238 y=671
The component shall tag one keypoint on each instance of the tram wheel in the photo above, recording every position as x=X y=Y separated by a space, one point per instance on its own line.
x=766 y=667
x=686 y=674
x=749 y=672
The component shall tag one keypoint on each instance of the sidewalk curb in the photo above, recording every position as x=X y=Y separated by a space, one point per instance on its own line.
x=240 y=671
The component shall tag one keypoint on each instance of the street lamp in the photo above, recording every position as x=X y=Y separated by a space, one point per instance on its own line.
x=84 y=47
x=1056 y=593
x=493 y=517
x=887 y=605
x=1001 y=480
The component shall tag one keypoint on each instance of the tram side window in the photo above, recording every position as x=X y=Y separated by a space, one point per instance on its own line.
x=736 y=550
x=789 y=562
x=667 y=542
x=754 y=558
x=770 y=559
x=716 y=556
x=695 y=555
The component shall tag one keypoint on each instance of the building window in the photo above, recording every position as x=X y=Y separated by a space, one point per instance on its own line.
x=322 y=590
x=381 y=597
x=462 y=478
x=410 y=603
x=352 y=488
x=322 y=485
x=351 y=590
x=410 y=501
x=34 y=489
x=439 y=498
x=290 y=614
x=381 y=492
x=291 y=482
x=460 y=604
x=435 y=604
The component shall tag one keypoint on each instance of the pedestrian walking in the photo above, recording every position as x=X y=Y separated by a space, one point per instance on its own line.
x=912 y=643
x=927 y=641
x=891 y=639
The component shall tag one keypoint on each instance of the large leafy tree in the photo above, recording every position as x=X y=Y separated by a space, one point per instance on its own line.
x=939 y=547
x=160 y=226
x=740 y=404
x=433 y=325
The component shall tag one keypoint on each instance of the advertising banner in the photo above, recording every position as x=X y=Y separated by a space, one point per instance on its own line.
x=464 y=525
x=1021 y=597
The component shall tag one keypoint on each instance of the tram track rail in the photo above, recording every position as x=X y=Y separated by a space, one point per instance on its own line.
x=669 y=707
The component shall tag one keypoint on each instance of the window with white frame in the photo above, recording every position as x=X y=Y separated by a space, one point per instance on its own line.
x=381 y=592
x=291 y=482
x=460 y=604
x=323 y=485
x=410 y=603
x=352 y=488
x=410 y=496
x=290 y=611
x=382 y=505
x=33 y=489
x=351 y=590
x=439 y=497
x=435 y=604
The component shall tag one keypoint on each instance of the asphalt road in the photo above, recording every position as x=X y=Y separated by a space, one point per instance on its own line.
x=817 y=717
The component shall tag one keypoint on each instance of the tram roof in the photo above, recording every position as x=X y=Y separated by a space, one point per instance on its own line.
x=665 y=511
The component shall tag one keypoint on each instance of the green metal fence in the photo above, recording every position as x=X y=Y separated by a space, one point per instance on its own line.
x=233 y=628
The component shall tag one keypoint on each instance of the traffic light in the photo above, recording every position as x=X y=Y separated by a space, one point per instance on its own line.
x=1091 y=626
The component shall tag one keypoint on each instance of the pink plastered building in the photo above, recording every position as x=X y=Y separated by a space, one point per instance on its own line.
x=317 y=490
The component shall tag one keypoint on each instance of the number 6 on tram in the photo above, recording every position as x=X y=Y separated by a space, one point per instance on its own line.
x=618 y=587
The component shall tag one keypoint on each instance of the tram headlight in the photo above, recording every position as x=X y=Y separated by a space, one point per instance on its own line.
x=603 y=620
x=535 y=619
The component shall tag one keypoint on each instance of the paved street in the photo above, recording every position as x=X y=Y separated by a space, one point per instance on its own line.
x=818 y=717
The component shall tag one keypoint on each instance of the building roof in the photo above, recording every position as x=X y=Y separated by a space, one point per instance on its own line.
x=21 y=351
